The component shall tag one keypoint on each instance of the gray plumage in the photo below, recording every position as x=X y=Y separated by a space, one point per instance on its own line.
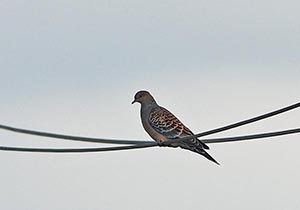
x=164 y=127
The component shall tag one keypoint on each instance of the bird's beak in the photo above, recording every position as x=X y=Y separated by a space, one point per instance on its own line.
x=133 y=101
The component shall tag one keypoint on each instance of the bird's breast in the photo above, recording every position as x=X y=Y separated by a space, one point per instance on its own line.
x=158 y=137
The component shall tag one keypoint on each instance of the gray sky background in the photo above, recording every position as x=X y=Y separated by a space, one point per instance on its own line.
x=73 y=67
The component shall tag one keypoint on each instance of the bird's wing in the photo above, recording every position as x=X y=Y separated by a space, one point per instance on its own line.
x=167 y=124
x=164 y=122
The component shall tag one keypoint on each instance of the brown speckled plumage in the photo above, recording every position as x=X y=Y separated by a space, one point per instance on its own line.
x=164 y=122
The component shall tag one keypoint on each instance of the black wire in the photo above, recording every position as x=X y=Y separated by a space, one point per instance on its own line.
x=67 y=137
x=151 y=144
x=244 y=122
x=75 y=150
x=251 y=137
x=114 y=141
x=144 y=144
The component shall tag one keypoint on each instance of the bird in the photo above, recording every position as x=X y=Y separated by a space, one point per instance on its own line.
x=163 y=126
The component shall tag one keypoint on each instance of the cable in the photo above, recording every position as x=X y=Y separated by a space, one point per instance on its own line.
x=115 y=141
x=79 y=150
x=251 y=137
x=151 y=144
x=244 y=122
x=67 y=137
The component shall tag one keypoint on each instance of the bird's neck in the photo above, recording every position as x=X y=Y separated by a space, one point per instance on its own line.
x=148 y=105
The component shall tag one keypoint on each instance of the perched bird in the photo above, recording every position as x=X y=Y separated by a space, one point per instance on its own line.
x=164 y=127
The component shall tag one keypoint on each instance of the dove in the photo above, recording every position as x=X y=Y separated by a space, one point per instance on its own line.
x=163 y=126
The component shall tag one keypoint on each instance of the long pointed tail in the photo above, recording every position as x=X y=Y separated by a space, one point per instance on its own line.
x=208 y=156
x=200 y=151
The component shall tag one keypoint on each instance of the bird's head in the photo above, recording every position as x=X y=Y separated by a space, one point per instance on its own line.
x=143 y=96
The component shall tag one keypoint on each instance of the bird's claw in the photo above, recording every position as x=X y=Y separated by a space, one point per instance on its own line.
x=160 y=143
x=163 y=143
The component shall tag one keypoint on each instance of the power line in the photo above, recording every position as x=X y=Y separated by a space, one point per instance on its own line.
x=116 y=141
x=75 y=150
x=151 y=144
x=68 y=137
x=251 y=137
x=145 y=144
x=244 y=122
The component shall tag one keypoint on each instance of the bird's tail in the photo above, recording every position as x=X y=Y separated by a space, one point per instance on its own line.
x=200 y=151
x=208 y=156
x=203 y=144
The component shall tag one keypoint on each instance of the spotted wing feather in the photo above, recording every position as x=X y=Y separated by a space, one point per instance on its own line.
x=164 y=122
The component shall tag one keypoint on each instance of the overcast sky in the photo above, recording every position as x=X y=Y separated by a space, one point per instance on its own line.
x=73 y=67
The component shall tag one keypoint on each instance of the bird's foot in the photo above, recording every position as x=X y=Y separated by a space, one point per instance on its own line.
x=160 y=143
x=164 y=143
